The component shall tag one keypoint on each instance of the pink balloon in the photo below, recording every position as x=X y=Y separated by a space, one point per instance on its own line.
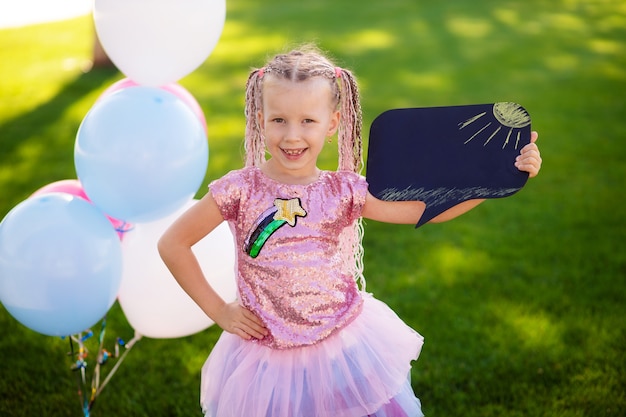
x=74 y=187
x=174 y=88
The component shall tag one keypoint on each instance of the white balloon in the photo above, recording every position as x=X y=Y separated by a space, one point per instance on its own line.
x=153 y=302
x=156 y=42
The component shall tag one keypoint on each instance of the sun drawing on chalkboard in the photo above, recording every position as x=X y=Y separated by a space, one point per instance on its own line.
x=507 y=115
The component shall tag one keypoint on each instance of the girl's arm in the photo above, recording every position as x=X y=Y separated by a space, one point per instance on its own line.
x=409 y=212
x=175 y=250
x=400 y=212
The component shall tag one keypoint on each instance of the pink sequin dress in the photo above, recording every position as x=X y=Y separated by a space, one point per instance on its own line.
x=332 y=350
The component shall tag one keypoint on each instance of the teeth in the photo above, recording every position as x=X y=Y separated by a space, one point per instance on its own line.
x=293 y=152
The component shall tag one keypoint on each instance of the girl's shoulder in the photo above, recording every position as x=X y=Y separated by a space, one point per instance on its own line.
x=346 y=183
x=345 y=177
x=236 y=175
x=228 y=190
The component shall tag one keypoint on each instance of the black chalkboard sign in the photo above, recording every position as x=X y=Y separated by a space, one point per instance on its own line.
x=446 y=155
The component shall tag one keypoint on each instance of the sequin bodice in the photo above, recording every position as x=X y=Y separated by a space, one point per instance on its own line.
x=292 y=270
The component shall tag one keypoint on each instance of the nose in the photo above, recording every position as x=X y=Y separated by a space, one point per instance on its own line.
x=293 y=133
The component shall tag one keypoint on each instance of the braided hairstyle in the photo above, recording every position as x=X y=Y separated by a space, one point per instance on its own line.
x=300 y=65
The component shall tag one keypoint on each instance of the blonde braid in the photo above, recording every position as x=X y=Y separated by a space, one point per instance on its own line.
x=254 y=141
x=349 y=136
x=350 y=145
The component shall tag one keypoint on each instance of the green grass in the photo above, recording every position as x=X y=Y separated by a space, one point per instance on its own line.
x=522 y=301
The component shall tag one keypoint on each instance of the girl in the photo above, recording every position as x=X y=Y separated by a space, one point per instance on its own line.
x=302 y=339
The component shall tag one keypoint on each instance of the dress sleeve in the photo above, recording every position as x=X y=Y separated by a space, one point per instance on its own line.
x=357 y=186
x=226 y=192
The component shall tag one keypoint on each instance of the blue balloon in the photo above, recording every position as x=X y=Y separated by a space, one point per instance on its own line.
x=140 y=154
x=60 y=264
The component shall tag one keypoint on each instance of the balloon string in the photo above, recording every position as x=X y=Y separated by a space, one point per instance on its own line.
x=95 y=379
x=129 y=346
x=124 y=227
x=80 y=364
x=80 y=378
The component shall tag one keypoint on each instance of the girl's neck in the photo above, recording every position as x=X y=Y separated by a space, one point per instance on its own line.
x=291 y=178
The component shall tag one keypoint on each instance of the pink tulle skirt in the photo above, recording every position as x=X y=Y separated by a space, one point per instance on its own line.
x=362 y=370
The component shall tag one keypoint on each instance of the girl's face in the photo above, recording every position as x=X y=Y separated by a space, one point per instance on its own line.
x=297 y=117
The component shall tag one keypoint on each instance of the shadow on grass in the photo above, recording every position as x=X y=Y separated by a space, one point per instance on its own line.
x=39 y=143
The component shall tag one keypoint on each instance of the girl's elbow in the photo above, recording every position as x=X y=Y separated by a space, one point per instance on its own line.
x=164 y=246
x=161 y=246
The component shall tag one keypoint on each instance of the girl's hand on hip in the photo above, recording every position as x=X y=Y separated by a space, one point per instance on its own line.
x=238 y=320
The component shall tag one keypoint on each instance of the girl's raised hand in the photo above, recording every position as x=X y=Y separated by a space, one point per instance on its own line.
x=238 y=320
x=529 y=159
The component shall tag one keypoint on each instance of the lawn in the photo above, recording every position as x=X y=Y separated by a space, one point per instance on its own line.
x=522 y=302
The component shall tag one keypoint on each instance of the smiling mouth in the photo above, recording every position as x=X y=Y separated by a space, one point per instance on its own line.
x=293 y=152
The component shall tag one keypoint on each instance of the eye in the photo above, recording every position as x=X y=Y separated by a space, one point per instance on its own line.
x=307 y=121
x=278 y=120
